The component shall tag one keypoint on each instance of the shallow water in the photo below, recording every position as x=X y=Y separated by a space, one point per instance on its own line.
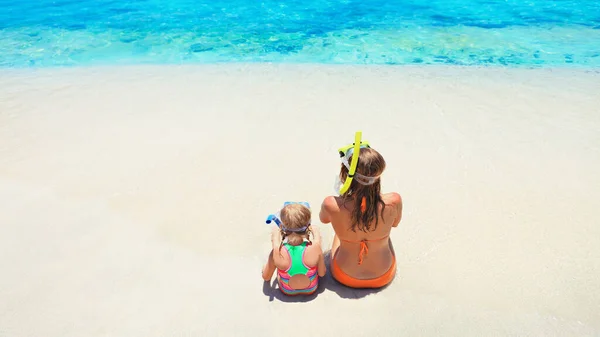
x=461 y=32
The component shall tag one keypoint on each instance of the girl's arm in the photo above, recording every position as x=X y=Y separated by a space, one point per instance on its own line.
x=269 y=268
x=276 y=242
x=276 y=238
x=316 y=233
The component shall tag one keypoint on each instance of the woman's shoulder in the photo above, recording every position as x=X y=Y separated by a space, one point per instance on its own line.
x=331 y=204
x=392 y=199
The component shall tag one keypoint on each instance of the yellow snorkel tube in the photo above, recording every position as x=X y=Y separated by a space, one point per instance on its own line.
x=354 y=163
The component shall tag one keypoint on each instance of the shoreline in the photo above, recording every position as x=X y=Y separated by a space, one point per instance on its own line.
x=525 y=76
x=573 y=67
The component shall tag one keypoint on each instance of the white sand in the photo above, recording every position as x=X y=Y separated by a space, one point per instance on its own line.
x=132 y=200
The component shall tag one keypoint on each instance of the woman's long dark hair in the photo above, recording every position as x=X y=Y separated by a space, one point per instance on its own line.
x=366 y=198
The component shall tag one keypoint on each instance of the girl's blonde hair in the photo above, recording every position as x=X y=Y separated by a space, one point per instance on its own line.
x=295 y=216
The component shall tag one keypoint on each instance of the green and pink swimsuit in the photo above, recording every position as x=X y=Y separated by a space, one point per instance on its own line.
x=297 y=267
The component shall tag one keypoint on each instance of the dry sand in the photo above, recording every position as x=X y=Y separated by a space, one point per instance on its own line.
x=133 y=199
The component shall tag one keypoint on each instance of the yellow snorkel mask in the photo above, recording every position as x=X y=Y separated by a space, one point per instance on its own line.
x=354 y=151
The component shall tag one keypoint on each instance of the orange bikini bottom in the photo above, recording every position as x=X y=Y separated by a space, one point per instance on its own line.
x=352 y=282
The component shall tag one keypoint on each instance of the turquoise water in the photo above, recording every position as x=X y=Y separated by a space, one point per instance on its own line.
x=40 y=33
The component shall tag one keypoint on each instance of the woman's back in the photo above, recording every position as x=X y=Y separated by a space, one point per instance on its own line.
x=362 y=254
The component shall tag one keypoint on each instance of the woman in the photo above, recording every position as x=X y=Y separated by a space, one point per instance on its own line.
x=362 y=255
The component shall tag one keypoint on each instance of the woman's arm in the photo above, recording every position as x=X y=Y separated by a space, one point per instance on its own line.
x=324 y=215
x=397 y=203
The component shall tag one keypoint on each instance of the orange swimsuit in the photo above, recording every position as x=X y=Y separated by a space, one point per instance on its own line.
x=352 y=282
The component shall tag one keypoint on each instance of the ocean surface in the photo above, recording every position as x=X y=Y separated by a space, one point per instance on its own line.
x=530 y=33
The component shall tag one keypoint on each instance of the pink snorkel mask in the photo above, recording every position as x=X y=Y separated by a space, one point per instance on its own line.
x=277 y=218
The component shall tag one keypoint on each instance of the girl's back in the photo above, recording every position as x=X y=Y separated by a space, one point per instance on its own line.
x=297 y=267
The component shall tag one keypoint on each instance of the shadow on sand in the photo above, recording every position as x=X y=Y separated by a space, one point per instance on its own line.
x=327 y=282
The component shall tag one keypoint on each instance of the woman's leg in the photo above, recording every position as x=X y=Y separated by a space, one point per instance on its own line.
x=269 y=268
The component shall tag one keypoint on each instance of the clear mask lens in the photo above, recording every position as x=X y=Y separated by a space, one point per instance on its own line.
x=364 y=180
x=361 y=179
x=337 y=185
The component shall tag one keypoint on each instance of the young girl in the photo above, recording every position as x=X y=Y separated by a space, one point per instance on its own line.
x=298 y=260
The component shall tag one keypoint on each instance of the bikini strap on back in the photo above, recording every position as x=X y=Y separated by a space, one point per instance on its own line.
x=364 y=249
